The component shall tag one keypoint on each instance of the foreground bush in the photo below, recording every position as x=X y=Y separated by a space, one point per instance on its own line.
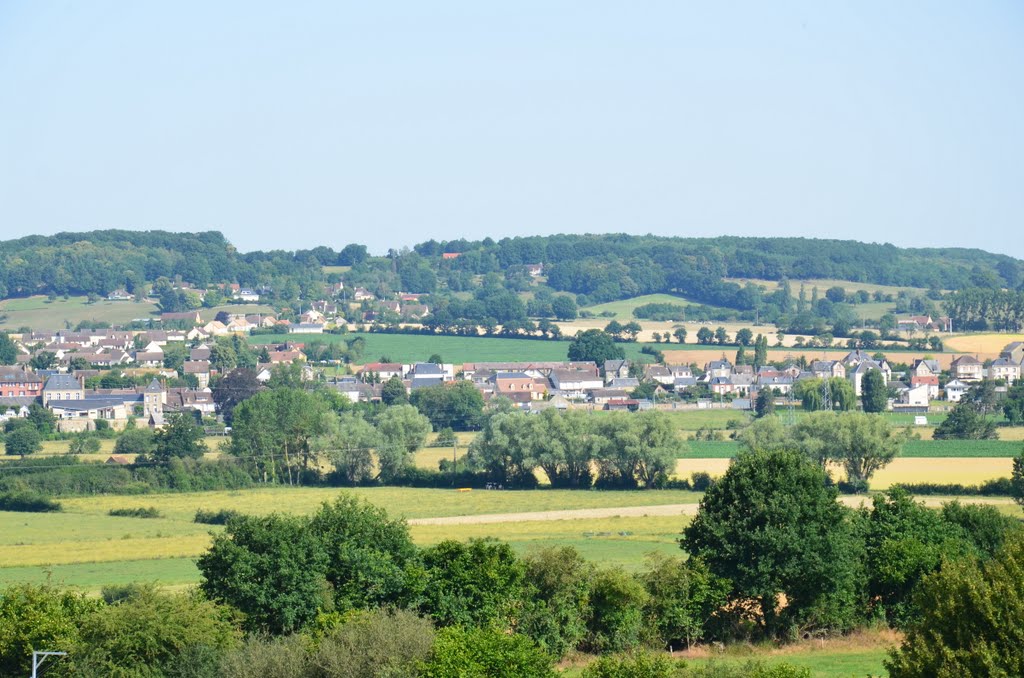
x=27 y=502
x=635 y=665
x=283 y=657
x=971 y=620
x=160 y=633
x=33 y=617
x=484 y=653
x=375 y=644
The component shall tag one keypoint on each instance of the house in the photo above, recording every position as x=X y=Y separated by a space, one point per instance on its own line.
x=149 y=358
x=659 y=374
x=448 y=256
x=535 y=269
x=1014 y=352
x=930 y=381
x=956 y=389
x=153 y=399
x=782 y=383
x=119 y=295
x=246 y=295
x=574 y=384
x=718 y=368
x=862 y=368
x=182 y=399
x=362 y=294
x=966 y=368
x=926 y=368
x=414 y=311
x=18 y=382
x=683 y=383
x=1005 y=369
x=679 y=371
x=508 y=383
x=382 y=371
x=828 y=369
x=61 y=387
x=446 y=371
x=915 y=396
x=604 y=396
x=199 y=368
x=287 y=356
x=628 y=383
x=201 y=352
x=215 y=328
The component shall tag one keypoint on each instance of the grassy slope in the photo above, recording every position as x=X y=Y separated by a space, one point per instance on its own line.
x=38 y=313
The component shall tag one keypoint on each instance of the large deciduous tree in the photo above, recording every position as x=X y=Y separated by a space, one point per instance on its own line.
x=595 y=346
x=273 y=431
x=773 y=528
x=402 y=430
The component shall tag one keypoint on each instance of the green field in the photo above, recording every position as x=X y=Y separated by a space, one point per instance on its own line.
x=39 y=313
x=408 y=348
x=84 y=546
x=623 y=309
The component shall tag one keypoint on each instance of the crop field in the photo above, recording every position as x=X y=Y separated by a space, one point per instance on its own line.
x=982 y=345
x=40 y=313
x=335 y=269
x=943 y=470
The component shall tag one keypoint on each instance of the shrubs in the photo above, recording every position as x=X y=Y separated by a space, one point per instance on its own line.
x=136 y=512
x=27 y=502
x=220 y=517
x=482 y=653
x=998 y=487
x=377 y=643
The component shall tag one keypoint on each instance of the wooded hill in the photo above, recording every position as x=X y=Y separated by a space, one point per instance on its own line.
x=599 y=267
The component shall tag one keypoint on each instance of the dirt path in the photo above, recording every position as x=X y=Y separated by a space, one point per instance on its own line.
x=657 y=510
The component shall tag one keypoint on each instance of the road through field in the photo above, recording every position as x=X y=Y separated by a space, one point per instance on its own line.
x=663 y=510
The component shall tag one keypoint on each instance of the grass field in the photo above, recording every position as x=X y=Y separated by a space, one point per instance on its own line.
x=39 y=313
x=623 y=309
x=336 y=269
x=408 y=348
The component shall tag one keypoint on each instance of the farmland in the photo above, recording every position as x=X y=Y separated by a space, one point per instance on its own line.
x=982 y=346
x=39 y=312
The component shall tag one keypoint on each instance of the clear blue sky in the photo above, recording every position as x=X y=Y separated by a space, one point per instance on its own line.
x=293 y=124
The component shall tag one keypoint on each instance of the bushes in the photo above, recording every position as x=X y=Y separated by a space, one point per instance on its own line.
x=634 y=665
x=483 y=653
x=378 y=643
x=220 y=517
x=135 y=512
x=617 y=603
x=27 y=502
x=998 y=487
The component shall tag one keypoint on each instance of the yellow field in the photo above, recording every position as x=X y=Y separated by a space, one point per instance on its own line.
x=700 y=356
x=982 y=345
x=962 y=470
x=823 y=284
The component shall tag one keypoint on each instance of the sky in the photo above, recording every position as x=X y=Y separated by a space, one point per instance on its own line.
x=294 y=124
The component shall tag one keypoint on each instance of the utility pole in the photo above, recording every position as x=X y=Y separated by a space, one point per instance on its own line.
x=39 y=657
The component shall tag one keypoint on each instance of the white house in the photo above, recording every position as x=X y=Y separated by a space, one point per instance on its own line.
x=955 y=390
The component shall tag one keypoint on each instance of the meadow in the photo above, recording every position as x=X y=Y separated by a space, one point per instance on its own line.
x=39 y=312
